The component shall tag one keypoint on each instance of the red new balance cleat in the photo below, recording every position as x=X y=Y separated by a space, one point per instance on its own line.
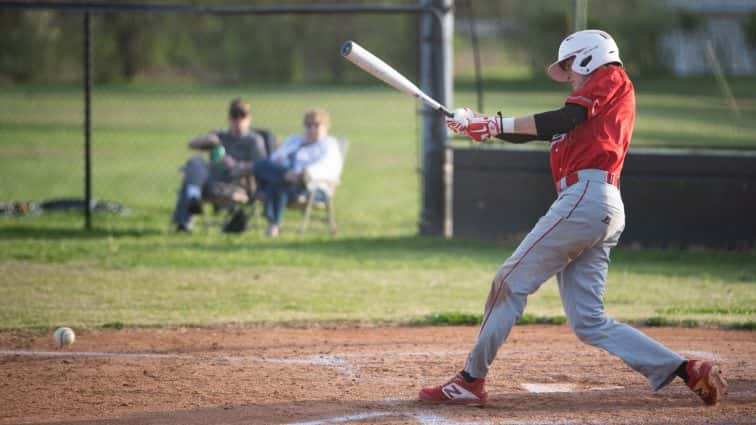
x=456 y=391
x=705 y=379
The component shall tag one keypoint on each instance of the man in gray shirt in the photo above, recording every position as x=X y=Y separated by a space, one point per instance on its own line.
x=233 y=152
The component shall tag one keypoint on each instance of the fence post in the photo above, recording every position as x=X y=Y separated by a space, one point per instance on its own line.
x=436 y=78
x=87 y=120
x=581 y=15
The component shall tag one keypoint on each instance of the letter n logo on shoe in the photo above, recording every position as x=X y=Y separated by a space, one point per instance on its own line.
x=454 y=391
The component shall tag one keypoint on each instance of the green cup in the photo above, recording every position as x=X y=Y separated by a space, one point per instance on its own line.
x=217 y=154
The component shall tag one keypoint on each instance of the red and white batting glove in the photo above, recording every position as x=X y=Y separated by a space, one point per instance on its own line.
x=477 y=126
x=483 y=127
x=458 y=123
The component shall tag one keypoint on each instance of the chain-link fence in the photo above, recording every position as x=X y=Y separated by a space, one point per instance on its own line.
x=165 y=73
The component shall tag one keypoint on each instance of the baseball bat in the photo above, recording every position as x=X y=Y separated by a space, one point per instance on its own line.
x=383 y=71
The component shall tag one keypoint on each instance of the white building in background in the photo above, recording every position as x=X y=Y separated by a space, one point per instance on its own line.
x=721 y=32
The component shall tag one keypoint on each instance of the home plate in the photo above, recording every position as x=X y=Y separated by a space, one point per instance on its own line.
x=564 y=388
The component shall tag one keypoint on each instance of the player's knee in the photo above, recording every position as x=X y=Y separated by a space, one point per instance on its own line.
x=588 y=327
x=514 y=284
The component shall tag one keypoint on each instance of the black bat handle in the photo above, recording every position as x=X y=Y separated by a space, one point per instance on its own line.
x=446 y=112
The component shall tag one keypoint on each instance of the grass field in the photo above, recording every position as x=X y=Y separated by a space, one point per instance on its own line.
x=131 y=271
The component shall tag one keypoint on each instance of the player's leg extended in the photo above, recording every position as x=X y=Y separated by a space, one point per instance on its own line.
x=556 y=239
x=547 y=249
x=582 y=284
x=519 y=276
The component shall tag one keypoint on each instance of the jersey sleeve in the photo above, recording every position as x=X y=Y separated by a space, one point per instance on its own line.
x=598 y=91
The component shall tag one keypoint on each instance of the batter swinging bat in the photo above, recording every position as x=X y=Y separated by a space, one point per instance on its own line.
x=381 y=70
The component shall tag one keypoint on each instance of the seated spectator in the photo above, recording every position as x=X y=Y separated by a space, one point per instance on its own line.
x=234 y=151
x=283 y=175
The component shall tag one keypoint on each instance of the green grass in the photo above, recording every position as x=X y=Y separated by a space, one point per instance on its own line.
x=206 y=279
x=131 y=271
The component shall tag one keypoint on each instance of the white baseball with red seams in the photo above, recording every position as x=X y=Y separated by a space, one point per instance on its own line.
x=64 y=336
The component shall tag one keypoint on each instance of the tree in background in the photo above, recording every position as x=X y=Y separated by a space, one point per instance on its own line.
x=635 y=24
x=29 y=45
x=124 y=44
x=750 y=30
x=36 y=45
x=46 y=46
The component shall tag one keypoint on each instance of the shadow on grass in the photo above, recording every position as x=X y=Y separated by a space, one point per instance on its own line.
x=56 y=233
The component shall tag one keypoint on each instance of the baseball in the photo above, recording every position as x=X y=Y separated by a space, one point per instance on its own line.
x=64 y=336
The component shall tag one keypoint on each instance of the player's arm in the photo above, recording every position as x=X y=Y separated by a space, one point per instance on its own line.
x=521 y=129
x=545 y=125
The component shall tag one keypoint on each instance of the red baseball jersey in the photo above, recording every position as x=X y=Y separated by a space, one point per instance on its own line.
x=601 y=141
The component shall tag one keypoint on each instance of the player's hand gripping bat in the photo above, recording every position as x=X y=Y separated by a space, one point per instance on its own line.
x=381 y=70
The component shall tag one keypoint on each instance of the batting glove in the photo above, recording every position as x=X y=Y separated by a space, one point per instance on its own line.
x=483 y=128
x=458 y=123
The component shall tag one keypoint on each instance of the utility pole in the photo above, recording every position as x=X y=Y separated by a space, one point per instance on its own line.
x=436 y=79
x=581 y=15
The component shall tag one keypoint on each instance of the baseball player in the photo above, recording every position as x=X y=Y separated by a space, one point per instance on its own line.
x=589 y=138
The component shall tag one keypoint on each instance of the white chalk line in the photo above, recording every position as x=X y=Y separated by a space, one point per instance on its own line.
x=434 y=419
x=335 y=362
x=338 y=362
x=564 y=387
x=422 y=418
x=341 y=419
x=409 y=354
x=430 y=419
x=316 y=359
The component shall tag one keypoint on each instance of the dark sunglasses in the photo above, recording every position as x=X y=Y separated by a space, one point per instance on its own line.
x=237 y=115
x=565 y=64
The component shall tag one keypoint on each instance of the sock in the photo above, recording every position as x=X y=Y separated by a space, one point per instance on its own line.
x=193 y=191
x=467 y=377
x=681 y=372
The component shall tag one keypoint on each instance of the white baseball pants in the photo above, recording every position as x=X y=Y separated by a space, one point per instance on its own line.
x=572 y=241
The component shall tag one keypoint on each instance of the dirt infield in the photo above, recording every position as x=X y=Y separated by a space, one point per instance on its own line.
x=265 y=375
